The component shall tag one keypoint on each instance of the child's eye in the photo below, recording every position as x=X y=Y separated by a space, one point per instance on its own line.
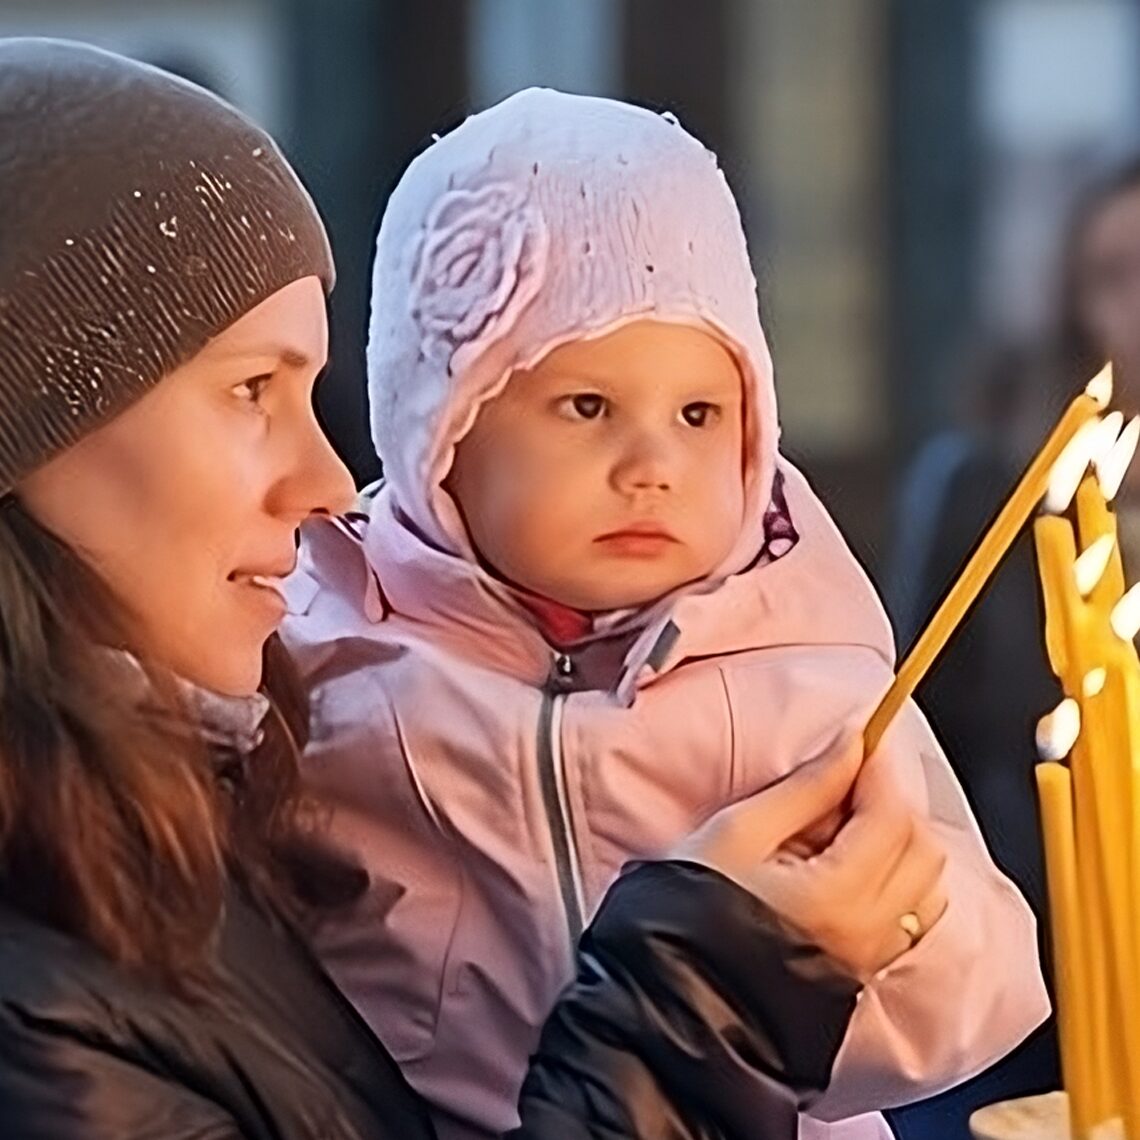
x=252 y=389
x=699 y=414
x=583 y=406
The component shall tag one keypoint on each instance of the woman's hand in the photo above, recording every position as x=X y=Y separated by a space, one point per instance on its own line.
x=864 y=893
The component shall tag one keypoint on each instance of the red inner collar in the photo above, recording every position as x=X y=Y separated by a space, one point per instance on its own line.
x=560 y=625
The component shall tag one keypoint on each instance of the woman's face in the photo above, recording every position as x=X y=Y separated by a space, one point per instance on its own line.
x=1108 y=269
x=188 y=503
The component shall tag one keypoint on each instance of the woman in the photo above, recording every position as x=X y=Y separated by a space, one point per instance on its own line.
x=162 y=324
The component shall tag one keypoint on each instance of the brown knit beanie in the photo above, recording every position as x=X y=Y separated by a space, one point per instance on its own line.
x=139 y=217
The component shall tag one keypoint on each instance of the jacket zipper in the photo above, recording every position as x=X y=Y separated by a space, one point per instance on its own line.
x=552 y=781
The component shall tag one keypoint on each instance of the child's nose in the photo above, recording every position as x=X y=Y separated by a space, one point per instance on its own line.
x=647 y=464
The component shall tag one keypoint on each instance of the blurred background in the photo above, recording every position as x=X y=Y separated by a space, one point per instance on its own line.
x=940 y=208
x=905 y=167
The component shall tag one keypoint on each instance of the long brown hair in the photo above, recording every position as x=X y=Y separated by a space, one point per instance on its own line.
x=114 y=825
x=1077 y=356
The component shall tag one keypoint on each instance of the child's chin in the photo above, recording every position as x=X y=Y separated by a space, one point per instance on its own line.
x=633 y=597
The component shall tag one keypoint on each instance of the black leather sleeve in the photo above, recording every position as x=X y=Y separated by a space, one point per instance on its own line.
x=693 y=1015
x=58 y=1086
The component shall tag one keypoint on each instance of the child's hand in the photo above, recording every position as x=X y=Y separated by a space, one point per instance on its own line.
x=867 y=896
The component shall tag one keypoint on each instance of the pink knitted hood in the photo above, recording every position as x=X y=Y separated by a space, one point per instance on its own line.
x=548 y=218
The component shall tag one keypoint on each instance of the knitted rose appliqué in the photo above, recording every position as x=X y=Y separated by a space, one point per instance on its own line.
x=481 y=261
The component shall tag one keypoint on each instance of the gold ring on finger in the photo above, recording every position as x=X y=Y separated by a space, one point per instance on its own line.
x=912 y=926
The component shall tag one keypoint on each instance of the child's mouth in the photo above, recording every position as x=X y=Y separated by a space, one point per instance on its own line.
x=636 y=541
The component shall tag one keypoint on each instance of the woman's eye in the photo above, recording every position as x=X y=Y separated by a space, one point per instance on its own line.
x=252 y=389
x=585 y=406
x=699 y=414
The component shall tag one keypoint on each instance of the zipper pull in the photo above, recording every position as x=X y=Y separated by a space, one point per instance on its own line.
x=561 y=679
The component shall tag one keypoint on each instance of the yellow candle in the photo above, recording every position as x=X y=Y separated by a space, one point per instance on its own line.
x=1075 y=1029
x=1103 y=792
x=1081 y=643
x=1130 y=678
x=1056 y=553
x=1094 y=520
x=1109 y=711
x=1114 y=755
x=980 y=566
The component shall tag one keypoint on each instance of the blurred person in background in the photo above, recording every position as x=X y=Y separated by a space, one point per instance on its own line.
x=1100 y=314
x=984 y=695
x=993 y=683
x=987 y=692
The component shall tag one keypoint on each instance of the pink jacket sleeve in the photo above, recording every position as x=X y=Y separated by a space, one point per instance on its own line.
x=971 y=990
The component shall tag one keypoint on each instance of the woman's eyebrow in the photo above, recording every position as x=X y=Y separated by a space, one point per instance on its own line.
x=285 y=355
x=295 y=358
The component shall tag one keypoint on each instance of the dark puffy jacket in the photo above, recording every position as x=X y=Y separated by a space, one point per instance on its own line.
x=692 y=1016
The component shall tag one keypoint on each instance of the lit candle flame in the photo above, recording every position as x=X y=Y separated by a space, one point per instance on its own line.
x=1107 y=433
x=1071 y=466
x=1099 y=388
x=1093 y=681
x=1089 y=568
x=1113 y=465
x=1057 y=731
x=1125 y=616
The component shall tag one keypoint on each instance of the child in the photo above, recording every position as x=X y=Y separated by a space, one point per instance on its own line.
x=589 y=604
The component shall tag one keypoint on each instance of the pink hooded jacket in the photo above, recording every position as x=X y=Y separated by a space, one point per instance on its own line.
x=492 y=786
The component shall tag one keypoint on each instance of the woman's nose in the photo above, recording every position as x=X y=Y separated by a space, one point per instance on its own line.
x=319 y=482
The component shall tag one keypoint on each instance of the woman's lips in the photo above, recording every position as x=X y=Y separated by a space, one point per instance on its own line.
x=265 y=593
x=271 y=587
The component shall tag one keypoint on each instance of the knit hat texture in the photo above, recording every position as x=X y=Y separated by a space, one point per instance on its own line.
x=547 y=218
x=140 y=215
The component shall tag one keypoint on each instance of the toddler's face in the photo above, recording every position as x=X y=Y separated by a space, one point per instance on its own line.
x=612 y=472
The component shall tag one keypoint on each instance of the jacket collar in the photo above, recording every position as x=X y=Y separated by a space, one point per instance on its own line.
x=807 y=590
x=231 y=724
